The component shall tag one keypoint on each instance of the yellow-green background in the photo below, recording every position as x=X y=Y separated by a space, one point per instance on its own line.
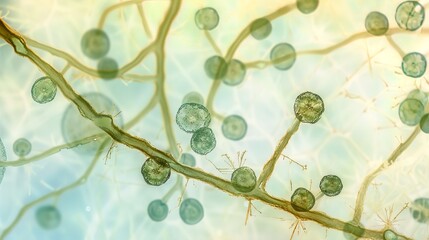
x=361 y=84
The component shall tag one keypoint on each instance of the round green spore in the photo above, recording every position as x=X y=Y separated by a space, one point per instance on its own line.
x=193 y=97
x=424 y=123
x=390 y=235
x=243 y=179
x=376 y=23
x=3 y=157
x=95 y=43
x=302 y=200
x=43 y=90
x=307 y=6
x=157 y=210
x=191 y=211
x=206 y=18
x=414 y=65
x=203 y=141
x=75 y=127
x=107 y=68
x=188 y=159
x=155 y=172
x=260 y=28
x=215 y=67
x=419 y=209
x=410 y=15
x=235 y=73
x=234 y=127
x=419 y=95
x=331 y=185
x=411 y=111
x=48 y=217
x=22 y=147
x=283 y=56
x=308 y=107
x=192 y=116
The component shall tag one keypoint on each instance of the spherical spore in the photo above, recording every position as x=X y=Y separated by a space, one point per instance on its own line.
x=414 y=65
x=203 y=141
x=243 y=179
x=193 y=97
x=308 y=107
x=157 y=210
x=155 y=172
x=283 y=56
x=424 y=123
x=215 y=67
x=75 y=127
x=22 y=147
x=376 y=23
x=302 y=200
x=410 y=15
x=192 y=116
x=390 y=235
x=43 y=90
x=260 y=28
x=207 y=18
x=235 y=73
x=107 y=68
x=411 y=111
x=234 y=127
x=48 y=217
x=331 y=185
x=95 y=43
x=419 y=209
x=307 y=6
x=191 y=211
x=419 y=95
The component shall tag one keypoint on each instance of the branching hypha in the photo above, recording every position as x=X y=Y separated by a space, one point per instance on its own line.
x=195 y=127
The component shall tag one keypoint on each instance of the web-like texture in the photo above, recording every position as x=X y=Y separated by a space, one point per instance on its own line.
x=358 y=76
